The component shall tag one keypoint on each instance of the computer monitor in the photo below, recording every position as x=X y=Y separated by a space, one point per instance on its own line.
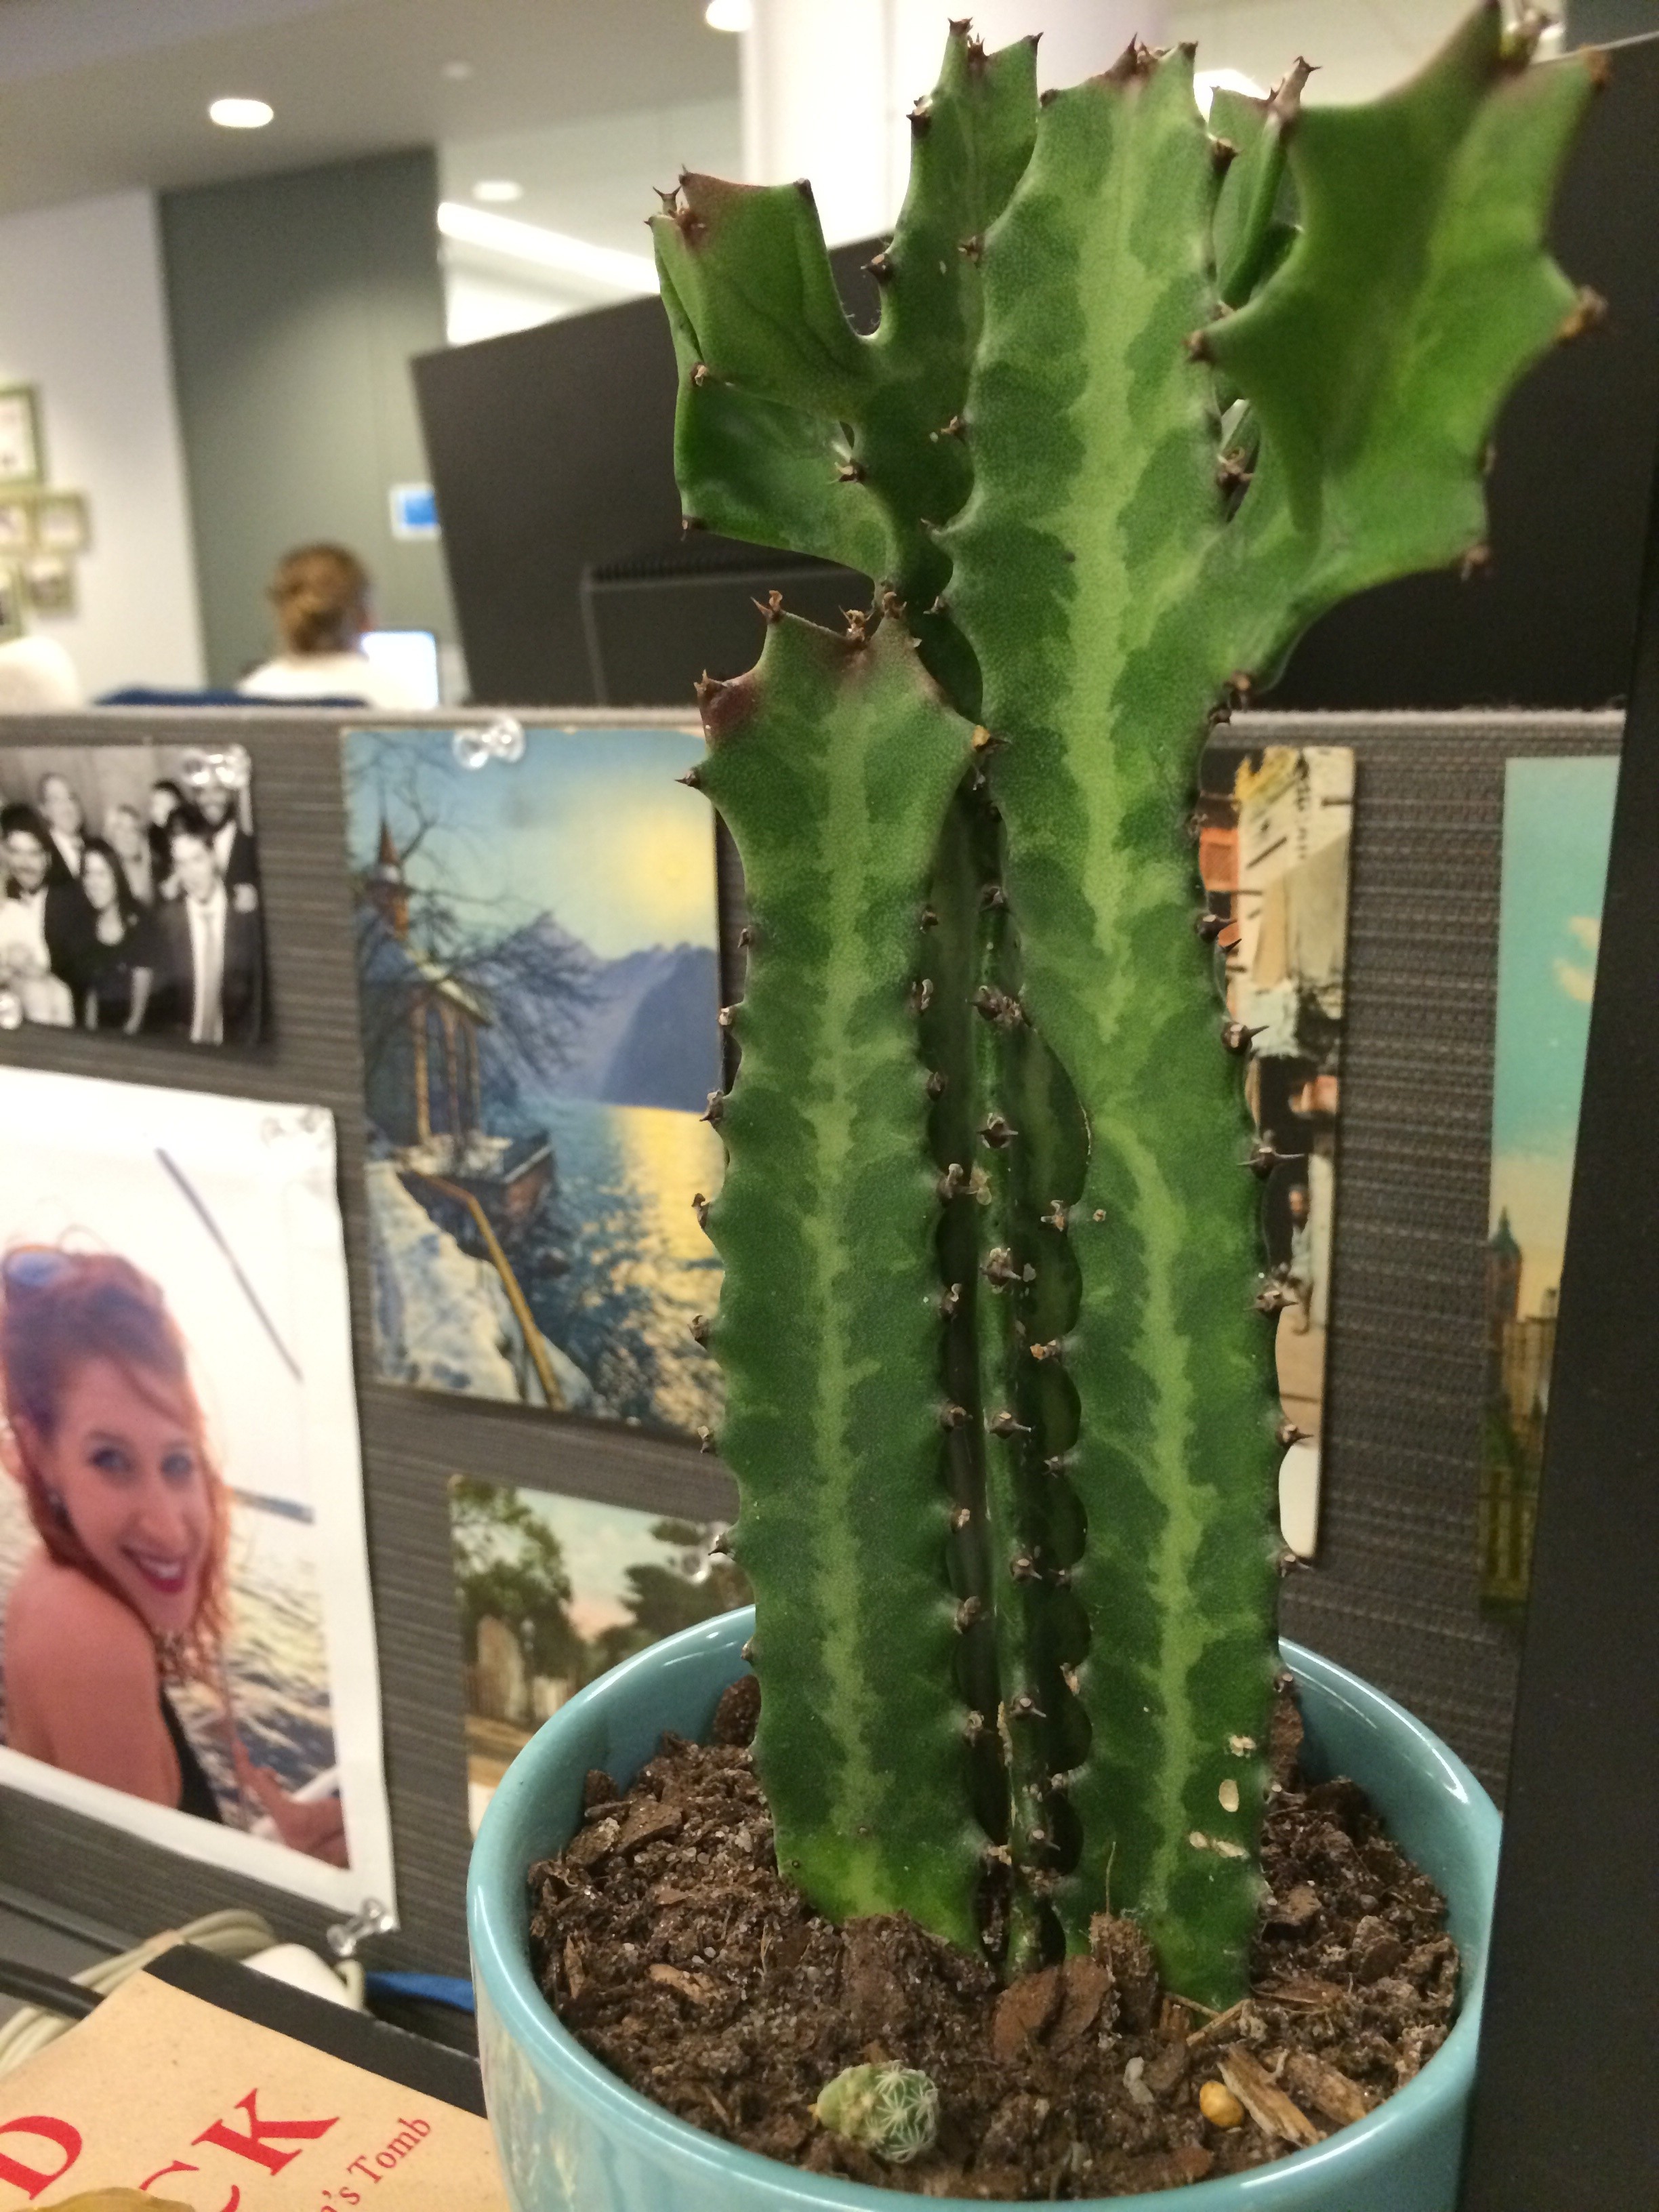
x=412 y=656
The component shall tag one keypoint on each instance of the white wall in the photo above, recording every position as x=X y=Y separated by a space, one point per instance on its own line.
x=83 y=316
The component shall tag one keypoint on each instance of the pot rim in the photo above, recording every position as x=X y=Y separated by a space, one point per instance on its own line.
x=501 y=1969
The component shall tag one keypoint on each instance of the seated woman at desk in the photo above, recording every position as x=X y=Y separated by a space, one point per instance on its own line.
x=126 y=1591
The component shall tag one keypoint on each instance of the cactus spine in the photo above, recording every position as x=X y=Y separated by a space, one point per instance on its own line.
x=1000 y=1404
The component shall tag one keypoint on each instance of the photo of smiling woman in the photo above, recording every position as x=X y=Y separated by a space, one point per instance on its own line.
x=127 y=1590
x=186 y=1639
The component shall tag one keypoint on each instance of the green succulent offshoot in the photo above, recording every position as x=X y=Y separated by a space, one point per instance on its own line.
x=999 y=1406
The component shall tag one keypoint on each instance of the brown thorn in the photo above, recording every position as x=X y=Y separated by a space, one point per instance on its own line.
x=746 y=935
x=951 y=1302
x=1589 y=312
x=714 y=1112
x=997 y=1131
x=1222 y=154
x=962 y=1518
x=920 y=119
x=771 y=607
x=972 y=248
x=1474 y=562
x=1055 y=1217
x=952 y=1417
x=851 y=472
x=699 y=1328
x=700 y=374
x=705 y=1440
x=937 y=1080
x=968 y=1613
x=1287 y=1434
x=1197 y=346
x=922 y=994
x=726 y=1017
x=1006 y=1425
x=879 y=267
x=693 y=777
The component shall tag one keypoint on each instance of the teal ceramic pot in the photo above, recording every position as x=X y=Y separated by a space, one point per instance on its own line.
x=573 y=2138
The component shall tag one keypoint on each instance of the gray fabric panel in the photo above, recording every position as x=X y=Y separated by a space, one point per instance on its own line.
x=1394 y=1592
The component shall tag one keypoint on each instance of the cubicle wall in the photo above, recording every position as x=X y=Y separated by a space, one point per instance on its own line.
x=1394 y=1593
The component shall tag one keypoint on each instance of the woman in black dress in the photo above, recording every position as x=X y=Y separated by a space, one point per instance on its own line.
x=116 y=960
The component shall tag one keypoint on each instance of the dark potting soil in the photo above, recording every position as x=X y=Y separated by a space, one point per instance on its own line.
x=668 y=1942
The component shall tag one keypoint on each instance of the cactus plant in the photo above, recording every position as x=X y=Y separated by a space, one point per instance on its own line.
x=1145 y=399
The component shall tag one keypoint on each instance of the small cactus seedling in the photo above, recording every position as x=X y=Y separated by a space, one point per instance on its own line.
x=1146 y=398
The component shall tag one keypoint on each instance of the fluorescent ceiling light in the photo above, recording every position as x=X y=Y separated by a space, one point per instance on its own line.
x=547 y=249
x=241 y=114
x=1208 y=83
x=729 y=14
x=497 y=191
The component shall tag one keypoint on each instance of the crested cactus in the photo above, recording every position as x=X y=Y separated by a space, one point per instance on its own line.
x=1145 y=399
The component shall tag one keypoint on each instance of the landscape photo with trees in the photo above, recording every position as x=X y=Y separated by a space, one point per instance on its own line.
x=551 y=1591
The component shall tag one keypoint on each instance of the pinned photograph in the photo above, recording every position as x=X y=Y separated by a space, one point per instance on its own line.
x=551 y=1591
x=129 y=892
x=538 y=992
x=1557 y=827
x=12 y=622
x=1275 y=831
x=17 y=528
x=186 y=1635
x=22 y=460
x=62 y=522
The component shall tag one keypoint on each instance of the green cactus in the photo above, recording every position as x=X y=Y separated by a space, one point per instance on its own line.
x=998 y=1403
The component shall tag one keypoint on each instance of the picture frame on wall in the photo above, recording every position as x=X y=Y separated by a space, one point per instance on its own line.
x=62 y=523
x=12 y=623
x=22 y=452
x=49 y=586
x=17 y=528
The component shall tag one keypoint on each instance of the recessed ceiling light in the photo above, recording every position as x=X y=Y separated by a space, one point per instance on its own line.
x=458 y=72
x=497 y=191
x=241 y=114
x=729 y=14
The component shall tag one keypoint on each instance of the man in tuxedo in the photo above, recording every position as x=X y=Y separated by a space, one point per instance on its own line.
x=44 y=918
x=232 y=846
x=209 y=979
x=66 y=825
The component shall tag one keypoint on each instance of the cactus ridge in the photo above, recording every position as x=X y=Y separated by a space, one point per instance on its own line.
x=1193 y=401
x=834 y=762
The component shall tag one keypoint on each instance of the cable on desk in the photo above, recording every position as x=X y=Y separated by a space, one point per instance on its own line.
x=49 y=1992
x=234 y=1934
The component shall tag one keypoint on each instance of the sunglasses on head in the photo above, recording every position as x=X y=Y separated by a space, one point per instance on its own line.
x=31 y=1269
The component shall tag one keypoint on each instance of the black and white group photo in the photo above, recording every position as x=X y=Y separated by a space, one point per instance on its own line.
x=129 y=892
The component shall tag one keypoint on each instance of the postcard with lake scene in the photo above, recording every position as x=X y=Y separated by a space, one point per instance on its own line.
x=551 y=1591
x=1558 y=826
x=537 y=972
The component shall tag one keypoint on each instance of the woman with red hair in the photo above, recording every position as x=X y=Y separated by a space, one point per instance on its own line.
x=103 y=1429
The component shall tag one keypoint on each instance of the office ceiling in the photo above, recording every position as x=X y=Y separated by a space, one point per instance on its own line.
x=102 y=95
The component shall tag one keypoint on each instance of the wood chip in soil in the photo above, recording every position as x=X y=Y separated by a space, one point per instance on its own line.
x=668 y=1943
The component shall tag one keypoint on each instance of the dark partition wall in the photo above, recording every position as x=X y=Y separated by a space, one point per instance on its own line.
x=1552 y=621
x=552 y=451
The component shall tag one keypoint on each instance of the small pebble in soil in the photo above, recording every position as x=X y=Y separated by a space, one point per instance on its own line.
x=668 y=1942
x=1219 y=2106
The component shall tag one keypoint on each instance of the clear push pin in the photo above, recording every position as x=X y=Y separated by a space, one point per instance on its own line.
x=501 y=739
x=371 y=1919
